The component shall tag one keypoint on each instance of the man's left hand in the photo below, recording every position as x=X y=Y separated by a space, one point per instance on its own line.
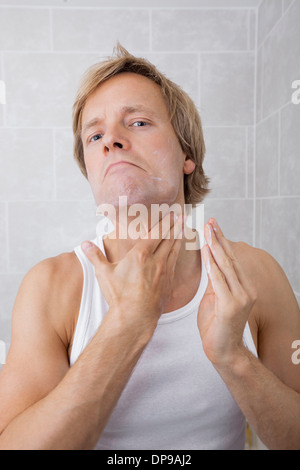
x=227 y=302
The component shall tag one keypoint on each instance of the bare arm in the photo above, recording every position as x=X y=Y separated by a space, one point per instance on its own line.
x=73 y=415
x=266 y=389
x=270 y=406
x=67 y=408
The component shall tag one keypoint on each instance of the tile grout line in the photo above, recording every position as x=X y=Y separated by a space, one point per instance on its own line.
x=255 y=130
x=134 y=8
x=246 y=161
x=279 y=152
x=276 y=23
x=106 y=52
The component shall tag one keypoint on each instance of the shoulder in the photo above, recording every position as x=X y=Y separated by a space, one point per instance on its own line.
x=54 y=287
x=255 y=261
x=57 y=277
x=275 y=315
x=259 y=264
x=274 y=292
x=55 y=266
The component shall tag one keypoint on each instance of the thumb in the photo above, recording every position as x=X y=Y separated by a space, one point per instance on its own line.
x=94 y=254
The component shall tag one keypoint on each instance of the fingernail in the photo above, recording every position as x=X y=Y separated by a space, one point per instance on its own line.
x=215 y=224
x=87 y=246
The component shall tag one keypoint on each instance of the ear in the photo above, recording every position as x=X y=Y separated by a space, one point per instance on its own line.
x=188 y=166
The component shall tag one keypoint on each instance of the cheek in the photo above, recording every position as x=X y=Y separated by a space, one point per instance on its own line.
x=169 y=158
x=92 y=178
x=91 y=164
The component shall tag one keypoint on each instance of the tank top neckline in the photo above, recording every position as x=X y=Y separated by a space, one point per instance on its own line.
x=187 y=309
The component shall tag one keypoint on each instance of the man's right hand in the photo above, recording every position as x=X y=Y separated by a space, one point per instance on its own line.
x=76 y=401
x=141 y=282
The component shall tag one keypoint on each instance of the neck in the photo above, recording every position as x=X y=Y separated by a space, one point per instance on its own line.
x=188 y=265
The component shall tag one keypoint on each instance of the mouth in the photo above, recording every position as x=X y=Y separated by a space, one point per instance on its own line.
x=122 y=162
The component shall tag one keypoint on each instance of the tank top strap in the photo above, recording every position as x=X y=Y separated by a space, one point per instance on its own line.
x=248 y=340
x=85 y=305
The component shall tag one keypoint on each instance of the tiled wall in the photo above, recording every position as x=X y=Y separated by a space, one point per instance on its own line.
x=277 y=156
x=209 y=48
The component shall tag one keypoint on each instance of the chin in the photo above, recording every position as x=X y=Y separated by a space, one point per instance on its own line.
x=129 y=191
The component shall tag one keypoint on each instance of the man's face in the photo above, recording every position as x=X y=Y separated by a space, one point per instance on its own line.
x=130 y=147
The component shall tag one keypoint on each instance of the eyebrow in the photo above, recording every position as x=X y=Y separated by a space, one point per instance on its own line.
x=125 y=110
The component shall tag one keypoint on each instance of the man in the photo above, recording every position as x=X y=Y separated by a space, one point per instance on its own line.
x=125 y=343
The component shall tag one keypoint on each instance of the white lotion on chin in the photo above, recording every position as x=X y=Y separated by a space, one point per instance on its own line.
x=156 y=178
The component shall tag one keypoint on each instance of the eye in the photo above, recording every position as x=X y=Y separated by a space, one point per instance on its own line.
x=139 y=124
x=95 y=137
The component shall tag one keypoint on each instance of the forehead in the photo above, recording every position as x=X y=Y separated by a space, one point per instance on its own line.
x=126 y=91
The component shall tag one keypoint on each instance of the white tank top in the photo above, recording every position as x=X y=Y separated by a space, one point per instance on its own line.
x=174 y=398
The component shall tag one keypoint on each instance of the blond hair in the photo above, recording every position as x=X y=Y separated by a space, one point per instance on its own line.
x=184 y=116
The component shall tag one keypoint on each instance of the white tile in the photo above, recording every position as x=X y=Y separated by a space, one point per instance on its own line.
x=99 y=30
x=26 y=160
x=281 y=235
x=250 y=161
x=2 y=93
x=269 y=13
x=252 y=29
x=225 y=161
x=259 y=84
x=1 y=115
x=289 y=151
x=227 y=89
x=267 y=157
x=70 y=182
x=38 y=230
x=286 y=4
x=258 y=223
x=24 y=29
x=181 y=69
x=9 y=286
x=281 y=63
x=235 y=217
x=139 y=3
x=3 y=238
x=41 y=88
x=196 y=30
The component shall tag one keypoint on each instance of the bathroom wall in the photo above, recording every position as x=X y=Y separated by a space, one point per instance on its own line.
x=228 y=63
x=277 y=162
x=46 y=206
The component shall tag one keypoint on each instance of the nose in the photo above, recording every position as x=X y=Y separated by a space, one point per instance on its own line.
x=109 y=145
x=112 y=140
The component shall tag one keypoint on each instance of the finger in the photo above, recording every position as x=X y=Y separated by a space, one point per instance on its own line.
x=243 y=279
x=173 y=255
x=170 y=237
x=221 y=238
x=94 y=254
x=217 y=278
x=224 y=260
x=157 y=233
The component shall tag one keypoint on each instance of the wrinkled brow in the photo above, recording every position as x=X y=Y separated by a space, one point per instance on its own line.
x=125 y=110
